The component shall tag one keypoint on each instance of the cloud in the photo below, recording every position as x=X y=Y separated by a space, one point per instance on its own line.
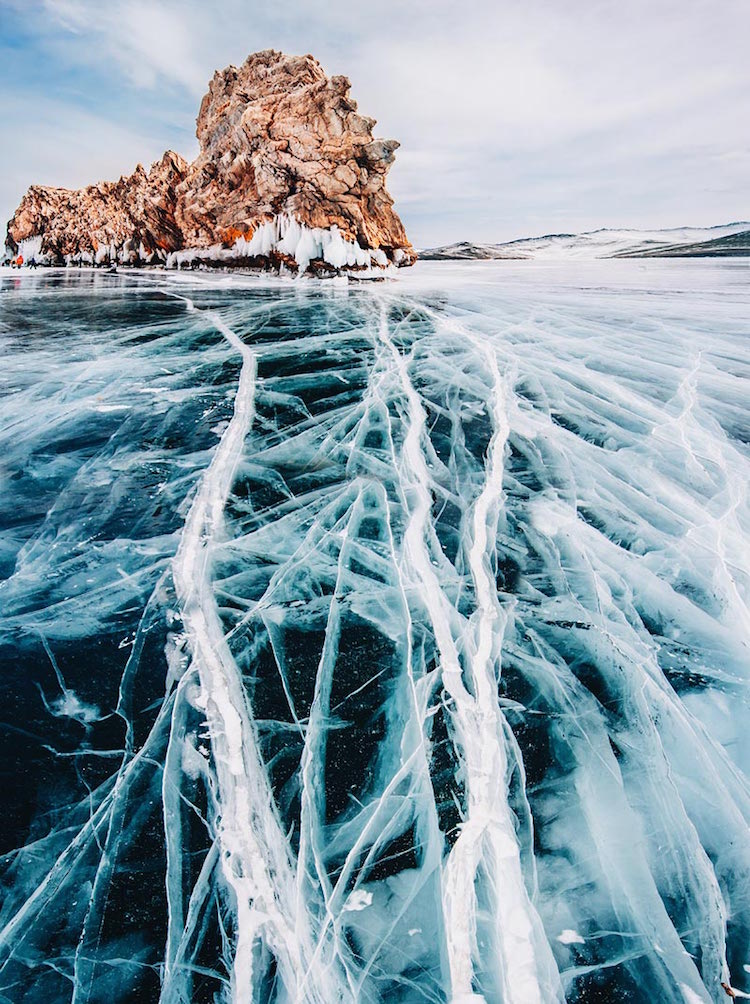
x=508 y=111
x=149 y=44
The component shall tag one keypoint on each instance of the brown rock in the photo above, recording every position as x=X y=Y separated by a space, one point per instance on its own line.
x=135 y=214
x=278 y=138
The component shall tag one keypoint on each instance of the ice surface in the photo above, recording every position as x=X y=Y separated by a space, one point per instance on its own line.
x=376 y=644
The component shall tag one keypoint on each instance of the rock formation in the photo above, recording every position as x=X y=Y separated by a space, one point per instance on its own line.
x=133 y=218
x=288 y=174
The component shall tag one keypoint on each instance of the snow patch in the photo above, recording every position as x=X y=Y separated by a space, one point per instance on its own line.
x=360 y=899
x=570 y=937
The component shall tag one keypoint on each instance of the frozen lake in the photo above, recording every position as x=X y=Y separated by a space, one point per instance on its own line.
x=376 y=642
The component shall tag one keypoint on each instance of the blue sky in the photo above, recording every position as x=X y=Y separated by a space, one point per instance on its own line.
x=515 y=118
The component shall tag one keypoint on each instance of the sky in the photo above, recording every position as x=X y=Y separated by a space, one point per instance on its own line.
x=515 y=117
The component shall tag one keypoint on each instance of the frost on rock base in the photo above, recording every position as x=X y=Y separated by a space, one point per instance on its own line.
x=285 y=244
x=281 y=244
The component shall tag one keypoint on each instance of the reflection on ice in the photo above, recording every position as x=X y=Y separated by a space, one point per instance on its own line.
x=376 y=644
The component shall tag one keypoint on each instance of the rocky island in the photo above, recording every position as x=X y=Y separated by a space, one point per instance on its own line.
x=289 y=176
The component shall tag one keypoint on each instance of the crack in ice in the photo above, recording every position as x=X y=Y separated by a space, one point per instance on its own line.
x=383 y=644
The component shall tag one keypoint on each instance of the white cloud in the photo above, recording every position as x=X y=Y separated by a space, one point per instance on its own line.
x=148 y=43
x=509 y=112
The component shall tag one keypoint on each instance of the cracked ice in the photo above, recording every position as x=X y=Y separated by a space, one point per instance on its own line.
x=382 y=643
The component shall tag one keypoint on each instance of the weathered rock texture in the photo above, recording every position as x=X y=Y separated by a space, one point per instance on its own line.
x=134 y=216
x=279 y=141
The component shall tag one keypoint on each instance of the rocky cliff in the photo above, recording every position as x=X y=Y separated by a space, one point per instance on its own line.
x=133 y=218
x=288 y=174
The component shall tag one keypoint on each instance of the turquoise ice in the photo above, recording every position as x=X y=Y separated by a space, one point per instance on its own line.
x=380 y=642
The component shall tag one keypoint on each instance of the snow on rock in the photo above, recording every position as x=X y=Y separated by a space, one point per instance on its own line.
x=290 y=244
x=31 y=247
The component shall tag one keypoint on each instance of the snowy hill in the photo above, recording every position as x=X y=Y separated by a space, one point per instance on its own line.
x=732 y=238
x=465 y=249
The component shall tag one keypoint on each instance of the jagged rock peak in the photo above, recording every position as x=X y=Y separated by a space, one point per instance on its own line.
x=288 y=172
x=131 y=218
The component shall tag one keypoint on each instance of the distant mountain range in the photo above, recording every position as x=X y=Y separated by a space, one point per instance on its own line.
x=681 y=242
